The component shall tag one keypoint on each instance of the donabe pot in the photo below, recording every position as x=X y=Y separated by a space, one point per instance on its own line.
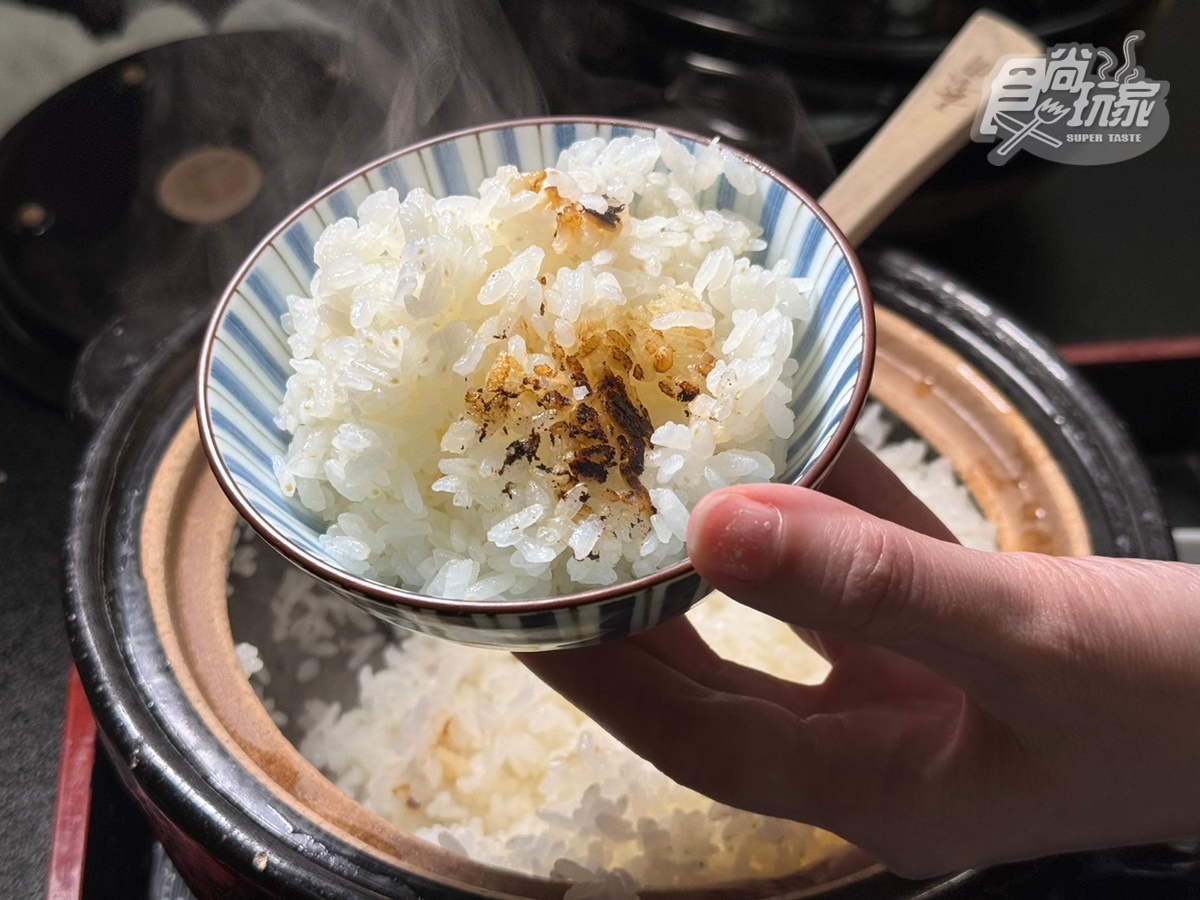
x=242 y=814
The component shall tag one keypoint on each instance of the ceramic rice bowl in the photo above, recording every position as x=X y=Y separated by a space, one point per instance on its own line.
x=244 y=368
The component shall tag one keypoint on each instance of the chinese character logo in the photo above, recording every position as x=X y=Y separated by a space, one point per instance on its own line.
x=1070 y=106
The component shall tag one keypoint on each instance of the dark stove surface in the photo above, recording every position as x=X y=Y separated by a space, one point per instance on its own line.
x=1086 y=255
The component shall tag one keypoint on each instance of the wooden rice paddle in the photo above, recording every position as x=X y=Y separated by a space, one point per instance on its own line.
x=929 y=127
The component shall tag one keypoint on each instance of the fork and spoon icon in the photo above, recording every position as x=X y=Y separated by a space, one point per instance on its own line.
x=1047 y=113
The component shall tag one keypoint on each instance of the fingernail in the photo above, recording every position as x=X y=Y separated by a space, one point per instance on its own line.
x=743 y=540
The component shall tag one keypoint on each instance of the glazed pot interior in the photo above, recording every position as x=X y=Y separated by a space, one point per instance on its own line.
x=995 y=450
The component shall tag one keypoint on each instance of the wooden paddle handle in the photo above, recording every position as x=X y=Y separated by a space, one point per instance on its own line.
x=930 y=126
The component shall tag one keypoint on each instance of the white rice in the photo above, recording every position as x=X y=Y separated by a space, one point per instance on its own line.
x=249 y=659
x=929 y=477
x=525 y=392
x=466 y=749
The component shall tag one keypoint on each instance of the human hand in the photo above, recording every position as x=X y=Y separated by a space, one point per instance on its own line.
x=981 y=708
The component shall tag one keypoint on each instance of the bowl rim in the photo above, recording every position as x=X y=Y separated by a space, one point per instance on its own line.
x=387 y=594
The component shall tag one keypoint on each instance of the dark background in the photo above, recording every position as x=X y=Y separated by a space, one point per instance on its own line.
x=1086 y=254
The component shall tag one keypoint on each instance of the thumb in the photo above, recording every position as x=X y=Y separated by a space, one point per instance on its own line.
x=818 y=563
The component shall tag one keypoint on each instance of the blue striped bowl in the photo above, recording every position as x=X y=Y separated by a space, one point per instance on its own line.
x=244 y=367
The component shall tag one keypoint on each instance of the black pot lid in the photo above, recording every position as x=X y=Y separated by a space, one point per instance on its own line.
x=136 y=191
x=164 y=752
